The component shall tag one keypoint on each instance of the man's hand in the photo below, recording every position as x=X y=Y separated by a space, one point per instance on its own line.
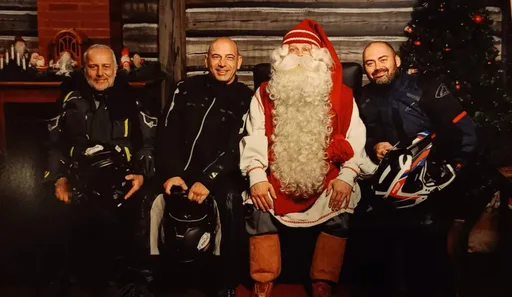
x=137 y=182
x=174 y=181
x=62 y=189
x=381 y=149
x=341 y=192
x=259 y=195
x=198 y=192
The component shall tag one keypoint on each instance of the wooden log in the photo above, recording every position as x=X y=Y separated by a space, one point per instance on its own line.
x=277 y=21
x=137 y=32
x=138 y=11
x=6 y=41
x=138 y=47
x=18 y=5
x=257 y=49
x=302 y=3
x=23 y=22
x=141 y=38
x=171 y=41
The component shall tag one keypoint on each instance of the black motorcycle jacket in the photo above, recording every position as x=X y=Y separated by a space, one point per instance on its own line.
x=200 y=130
x=112 y=116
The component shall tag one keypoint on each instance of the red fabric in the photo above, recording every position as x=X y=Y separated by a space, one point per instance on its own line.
x=303 y=33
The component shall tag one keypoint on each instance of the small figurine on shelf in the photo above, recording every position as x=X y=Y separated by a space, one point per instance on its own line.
x=33 y=59
x=125 y=60
x=37 y=61
x=137 y=61
x=65 y=64
x=20 y=50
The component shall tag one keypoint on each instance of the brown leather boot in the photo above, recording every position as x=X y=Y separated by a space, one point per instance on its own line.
x=265 y=264
x=321 y=289
x=327 y=263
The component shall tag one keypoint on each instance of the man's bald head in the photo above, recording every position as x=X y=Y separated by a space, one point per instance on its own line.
x=221 y=40
x=223 y=59
x=380 y=62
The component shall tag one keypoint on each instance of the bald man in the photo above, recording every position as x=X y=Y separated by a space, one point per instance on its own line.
x=197 y=148
x=395 y=106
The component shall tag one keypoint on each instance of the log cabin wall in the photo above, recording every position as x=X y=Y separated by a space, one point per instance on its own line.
x=140 y=27
x=18 y=17
x=258 y=26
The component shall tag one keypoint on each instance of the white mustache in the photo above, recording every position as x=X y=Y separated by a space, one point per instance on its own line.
x=292 y=61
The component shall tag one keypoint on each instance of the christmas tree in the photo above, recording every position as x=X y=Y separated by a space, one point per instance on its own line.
x=456 y=39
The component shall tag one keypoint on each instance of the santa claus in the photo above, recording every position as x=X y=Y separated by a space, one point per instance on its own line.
x=303 y=151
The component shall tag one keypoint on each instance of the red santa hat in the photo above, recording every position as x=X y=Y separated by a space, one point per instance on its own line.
x=125 y=55
x=310 y=32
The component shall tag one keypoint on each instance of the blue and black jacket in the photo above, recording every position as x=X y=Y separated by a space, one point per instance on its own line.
x=411 y=104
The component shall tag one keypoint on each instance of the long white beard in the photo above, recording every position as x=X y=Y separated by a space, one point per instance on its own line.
x=20 y=49
x=300 y=88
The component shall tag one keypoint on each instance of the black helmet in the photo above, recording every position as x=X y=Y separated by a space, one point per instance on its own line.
x=404 y=176
x=97 y=174
x=189 y=227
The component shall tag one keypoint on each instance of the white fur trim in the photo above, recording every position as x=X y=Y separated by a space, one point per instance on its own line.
x=317 y=214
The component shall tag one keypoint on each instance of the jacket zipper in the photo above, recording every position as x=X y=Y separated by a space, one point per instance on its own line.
x=198 y=133
x=172 y=103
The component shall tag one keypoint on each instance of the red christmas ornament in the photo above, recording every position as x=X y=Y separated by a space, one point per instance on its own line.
x=457 y=86
x=441 y=9
x=477 y=18
x=447 y=49
x=417 y=43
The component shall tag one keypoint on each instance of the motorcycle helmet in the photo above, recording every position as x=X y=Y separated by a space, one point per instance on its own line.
x=189 y=228
x=406 y=177
x=97 y=174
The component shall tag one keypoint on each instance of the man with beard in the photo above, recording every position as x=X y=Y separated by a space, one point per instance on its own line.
x=395 y=106
x=303 y=153
x=100 y=107
x=197 y=151
x=20 y=49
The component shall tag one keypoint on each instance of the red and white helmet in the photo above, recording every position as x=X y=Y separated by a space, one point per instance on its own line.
x=404 y=176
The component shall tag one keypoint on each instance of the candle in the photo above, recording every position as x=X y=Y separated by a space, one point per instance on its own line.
x=1 y=63
x=24 y=63
x=18 y=59
x=12 y=51
x=7 y=58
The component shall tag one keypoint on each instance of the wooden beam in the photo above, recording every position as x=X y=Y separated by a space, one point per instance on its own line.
x=23 y=22
x=302 y=3
x=18 y=5
x=171 y=41
x=116 y=27
x=32 y=42
x=277 y=21
x=137 y=11
x=141 y=38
